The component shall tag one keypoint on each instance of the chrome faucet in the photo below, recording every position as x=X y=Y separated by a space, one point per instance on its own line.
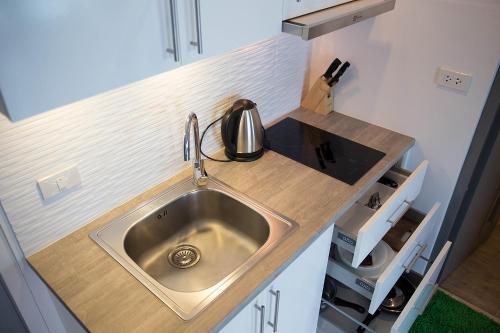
x=200 y=177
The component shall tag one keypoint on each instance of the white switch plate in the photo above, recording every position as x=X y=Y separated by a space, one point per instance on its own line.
x=453 y=79
x=59 y=182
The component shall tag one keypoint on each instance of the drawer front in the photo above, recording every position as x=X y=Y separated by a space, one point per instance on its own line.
x=391 y=211
x=406 y=257
x=422 y=295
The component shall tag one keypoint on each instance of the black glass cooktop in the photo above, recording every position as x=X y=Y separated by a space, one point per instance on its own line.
x=326 y=152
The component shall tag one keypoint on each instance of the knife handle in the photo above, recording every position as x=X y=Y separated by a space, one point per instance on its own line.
x=341 y=71
x=333 y=66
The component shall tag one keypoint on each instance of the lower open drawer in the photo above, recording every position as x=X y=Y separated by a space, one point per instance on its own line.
x=342 y=319
x=414 y=234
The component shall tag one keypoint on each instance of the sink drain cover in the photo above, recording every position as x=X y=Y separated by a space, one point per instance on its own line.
x=184 y=256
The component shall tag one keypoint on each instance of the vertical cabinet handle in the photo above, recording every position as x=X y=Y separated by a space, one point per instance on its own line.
x=199 y=42
x=274 y=324
x=175 y=31
x=262 y=310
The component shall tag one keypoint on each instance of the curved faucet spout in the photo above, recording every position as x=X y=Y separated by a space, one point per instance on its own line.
x=199 y=175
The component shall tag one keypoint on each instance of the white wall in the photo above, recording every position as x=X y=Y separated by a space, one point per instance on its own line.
x=127 y=140
x=390 y=82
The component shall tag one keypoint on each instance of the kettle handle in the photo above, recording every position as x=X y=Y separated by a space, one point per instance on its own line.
x=227 y=137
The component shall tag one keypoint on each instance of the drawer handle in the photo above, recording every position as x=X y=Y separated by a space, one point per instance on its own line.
x=429 y=290
x=417 y=256
x=398 y=214
x=262 y=310
x=274 y=324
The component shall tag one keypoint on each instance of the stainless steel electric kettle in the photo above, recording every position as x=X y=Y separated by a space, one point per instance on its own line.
x=242 y=131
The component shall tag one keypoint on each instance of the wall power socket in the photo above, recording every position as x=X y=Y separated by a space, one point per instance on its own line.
x=453 y=79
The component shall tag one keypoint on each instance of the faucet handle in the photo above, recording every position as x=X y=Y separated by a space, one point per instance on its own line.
x=200 y=177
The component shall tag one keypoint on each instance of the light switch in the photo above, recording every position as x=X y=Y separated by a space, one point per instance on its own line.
x=59 y=182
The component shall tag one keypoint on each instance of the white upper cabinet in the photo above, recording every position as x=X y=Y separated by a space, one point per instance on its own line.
x=56 y=52
x=210 y=27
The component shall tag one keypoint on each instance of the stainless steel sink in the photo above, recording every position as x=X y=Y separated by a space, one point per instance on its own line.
x=190 y=243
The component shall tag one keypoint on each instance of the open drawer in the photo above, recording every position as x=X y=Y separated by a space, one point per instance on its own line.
x=361 y=228
x=336 y=319
x=414 y=234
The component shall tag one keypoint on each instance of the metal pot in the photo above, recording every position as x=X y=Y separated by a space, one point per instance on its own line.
x=394 y=302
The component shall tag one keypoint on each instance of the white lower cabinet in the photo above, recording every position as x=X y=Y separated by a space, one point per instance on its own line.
x=290 y=302
x=248 y=320
x=384 y=213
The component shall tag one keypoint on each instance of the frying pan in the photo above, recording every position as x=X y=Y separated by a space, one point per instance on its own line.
x=329 y=292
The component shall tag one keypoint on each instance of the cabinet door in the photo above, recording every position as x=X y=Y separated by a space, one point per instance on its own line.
x=249 y=319
x=56 y=52
x=300 y=287
x=223 y=25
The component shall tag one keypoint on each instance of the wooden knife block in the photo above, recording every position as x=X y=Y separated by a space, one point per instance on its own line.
x=319 y=98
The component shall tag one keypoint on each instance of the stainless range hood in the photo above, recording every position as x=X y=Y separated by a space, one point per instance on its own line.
x=318 y=23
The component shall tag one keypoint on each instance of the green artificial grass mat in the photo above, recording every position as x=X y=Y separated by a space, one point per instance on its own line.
x=446 y=315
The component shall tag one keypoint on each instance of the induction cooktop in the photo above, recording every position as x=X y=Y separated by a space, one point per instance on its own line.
x=326 y=152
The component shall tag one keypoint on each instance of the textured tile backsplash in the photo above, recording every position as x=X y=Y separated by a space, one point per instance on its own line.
x=127 y=140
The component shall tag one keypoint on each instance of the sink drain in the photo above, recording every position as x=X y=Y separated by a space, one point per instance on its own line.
x=184 y=256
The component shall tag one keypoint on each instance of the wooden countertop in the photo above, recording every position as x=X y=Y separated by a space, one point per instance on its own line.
x=106 y=298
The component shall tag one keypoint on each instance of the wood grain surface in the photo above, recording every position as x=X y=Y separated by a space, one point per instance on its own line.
x=477 y=279
x=106 y=298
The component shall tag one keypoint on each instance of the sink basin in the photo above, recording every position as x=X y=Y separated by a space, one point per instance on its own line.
x=203 y=224
x=188 y=244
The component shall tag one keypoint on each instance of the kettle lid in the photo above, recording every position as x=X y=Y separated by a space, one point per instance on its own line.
x=243 y=104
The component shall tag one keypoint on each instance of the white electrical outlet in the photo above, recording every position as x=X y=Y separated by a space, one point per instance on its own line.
x=453 y=79
x=58 y=183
